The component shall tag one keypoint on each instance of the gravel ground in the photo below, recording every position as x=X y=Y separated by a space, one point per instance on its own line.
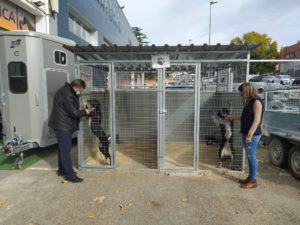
x=37 y=197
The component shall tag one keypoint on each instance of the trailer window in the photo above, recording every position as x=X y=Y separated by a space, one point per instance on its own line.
x=60 y=57
x=17 y=75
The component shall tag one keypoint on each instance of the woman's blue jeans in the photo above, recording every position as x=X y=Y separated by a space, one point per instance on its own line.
x=251 y=149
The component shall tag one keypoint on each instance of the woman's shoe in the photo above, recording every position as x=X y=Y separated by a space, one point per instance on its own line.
x=250 y=184
x=244 y=181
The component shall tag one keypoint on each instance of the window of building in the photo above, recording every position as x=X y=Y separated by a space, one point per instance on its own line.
x=80 y=29
x=107 y=42
x=291 y=55
x=60 y=57
x=17 y=76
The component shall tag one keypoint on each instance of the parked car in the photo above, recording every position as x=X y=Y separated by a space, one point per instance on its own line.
x=286 y=79
x=177 y=84
x=270 y=79
x=296 y=81
x=256 y=79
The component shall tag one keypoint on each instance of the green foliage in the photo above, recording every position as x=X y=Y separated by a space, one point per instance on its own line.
x=141 y=37
x=266 y=50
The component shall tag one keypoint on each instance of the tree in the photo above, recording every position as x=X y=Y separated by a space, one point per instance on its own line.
x=141 y=37
x=266 y=50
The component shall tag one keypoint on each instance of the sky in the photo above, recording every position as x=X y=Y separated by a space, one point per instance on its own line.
x=186 y=22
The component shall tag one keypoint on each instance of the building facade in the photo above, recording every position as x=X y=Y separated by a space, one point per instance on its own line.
x=291 y=52
x=94 y=22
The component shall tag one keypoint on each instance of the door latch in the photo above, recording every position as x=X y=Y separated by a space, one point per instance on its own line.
x=164 y=111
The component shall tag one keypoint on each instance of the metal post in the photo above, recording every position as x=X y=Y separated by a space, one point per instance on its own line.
x=209 y=24
x=132 y=79
x=210 y=4
x=197 y=115
x=248 y=67
x=143 y=79
x=161 y=119
x=112 y=112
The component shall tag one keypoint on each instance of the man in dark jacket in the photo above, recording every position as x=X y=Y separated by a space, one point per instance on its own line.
x=64 y=119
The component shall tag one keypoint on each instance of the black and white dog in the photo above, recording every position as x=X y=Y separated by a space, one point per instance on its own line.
x=98 y=131
x=225 y=150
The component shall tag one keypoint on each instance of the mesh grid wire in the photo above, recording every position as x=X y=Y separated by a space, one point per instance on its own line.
x=219 y=95
x=179 y=119
x=96 y=129
x=283 y=100
x=136 y=116
x=282 y=113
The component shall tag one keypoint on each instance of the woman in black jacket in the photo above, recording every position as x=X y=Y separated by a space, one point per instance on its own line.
x=64 y=119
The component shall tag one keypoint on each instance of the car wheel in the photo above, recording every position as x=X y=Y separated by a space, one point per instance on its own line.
x=278 y=150
x=276 y=105
x=294 y=161
x=272 y=81
x=281 y=82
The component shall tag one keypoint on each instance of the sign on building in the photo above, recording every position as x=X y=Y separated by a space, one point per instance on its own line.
x=13 y=17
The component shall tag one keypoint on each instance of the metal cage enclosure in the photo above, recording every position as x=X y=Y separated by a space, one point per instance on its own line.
x=160 y=119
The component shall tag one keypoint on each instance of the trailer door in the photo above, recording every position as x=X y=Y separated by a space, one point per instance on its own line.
x=55 y=79
x=15 y=97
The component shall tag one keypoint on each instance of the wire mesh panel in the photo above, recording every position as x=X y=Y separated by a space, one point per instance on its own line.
x=216 y=76
x=136 y=116
x=283 y=100
x=220 y=140
x=282 y=113
x=95 y=129
x=179 y=119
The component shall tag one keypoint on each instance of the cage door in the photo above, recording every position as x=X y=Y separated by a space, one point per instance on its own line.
x=178 y=111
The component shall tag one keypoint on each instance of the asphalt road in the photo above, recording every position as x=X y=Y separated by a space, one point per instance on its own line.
x=37 y=196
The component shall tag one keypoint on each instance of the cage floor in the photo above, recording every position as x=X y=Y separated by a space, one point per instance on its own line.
x=144 y=155
x=137 y=155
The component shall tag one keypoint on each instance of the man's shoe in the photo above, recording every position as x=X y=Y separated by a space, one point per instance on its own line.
x=78 y=177
x=74 y=179
x=250 y=184
x=59 y=173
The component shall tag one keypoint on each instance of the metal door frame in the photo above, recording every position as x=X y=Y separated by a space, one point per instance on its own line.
x=162 y=116
x=111 y=120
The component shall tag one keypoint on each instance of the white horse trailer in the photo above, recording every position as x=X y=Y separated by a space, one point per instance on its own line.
x=32 y=67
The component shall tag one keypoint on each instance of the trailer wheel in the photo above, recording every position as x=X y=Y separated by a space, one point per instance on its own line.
x=19 y=160
x=278 y=150
x=294 y=161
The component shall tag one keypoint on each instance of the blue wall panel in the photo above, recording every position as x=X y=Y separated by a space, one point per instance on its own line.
x=94 y=12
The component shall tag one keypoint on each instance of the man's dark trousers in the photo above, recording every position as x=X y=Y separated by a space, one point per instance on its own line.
x=65 y=166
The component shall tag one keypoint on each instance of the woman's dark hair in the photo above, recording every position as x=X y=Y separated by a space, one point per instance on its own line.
x=78 y=83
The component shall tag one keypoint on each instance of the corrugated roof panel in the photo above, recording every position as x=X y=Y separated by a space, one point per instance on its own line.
x=179 y=52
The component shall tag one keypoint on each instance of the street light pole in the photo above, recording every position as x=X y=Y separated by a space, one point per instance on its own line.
x=210 y=4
